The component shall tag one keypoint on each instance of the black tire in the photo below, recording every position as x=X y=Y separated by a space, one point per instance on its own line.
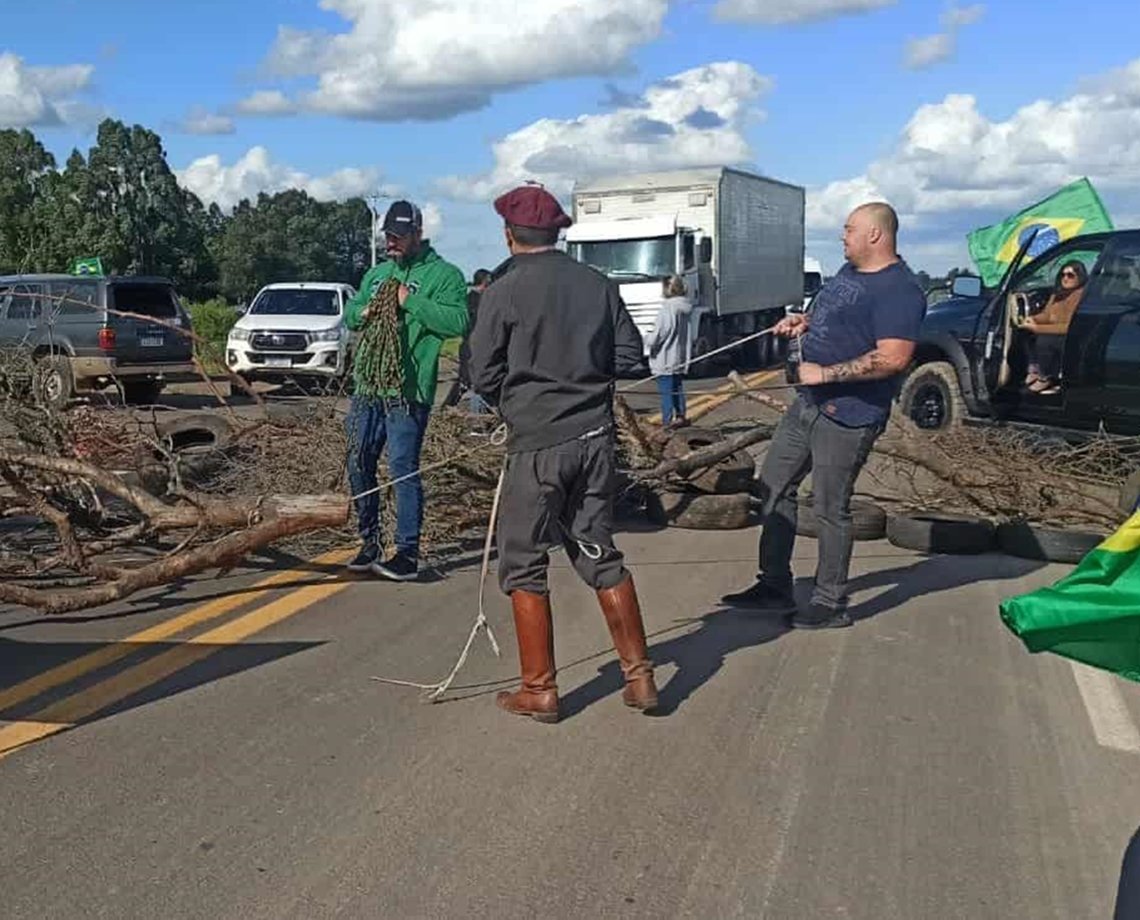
x=1046 y=544
x=200 y=431
x=54 y=381
x=931 y=397
x=732 y=474
x=141 y=392
x=1130 y=494
x=868 y=520
x=937 y=533
x=696 y=511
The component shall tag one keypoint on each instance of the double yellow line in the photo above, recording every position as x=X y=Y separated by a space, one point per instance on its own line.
x=707 y=402
x=90 y=701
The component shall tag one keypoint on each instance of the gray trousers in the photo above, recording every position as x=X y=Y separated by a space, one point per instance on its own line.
x=806 y=440
x=559 y=496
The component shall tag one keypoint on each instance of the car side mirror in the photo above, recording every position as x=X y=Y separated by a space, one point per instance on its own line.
x=967 y=286
x=706 y=250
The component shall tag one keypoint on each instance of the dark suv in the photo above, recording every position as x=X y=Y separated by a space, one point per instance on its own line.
x=972 y=361
x=70 y=325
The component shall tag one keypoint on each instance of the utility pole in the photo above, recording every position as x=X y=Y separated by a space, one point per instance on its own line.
x=374 y=209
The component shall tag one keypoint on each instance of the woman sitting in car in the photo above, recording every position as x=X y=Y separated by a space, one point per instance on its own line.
x=1048 y=328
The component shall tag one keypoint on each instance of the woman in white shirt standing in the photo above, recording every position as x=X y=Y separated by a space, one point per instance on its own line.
x=668 y=346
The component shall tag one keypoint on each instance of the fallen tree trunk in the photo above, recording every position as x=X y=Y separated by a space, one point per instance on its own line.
x=707 y=456
x=274 y=519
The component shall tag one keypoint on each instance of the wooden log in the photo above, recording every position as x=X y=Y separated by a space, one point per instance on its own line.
x=280 y=517
x=707 y=456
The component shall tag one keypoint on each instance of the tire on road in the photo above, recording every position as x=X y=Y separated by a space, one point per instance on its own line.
x=201 y=443
x=1046 y=544
x=938 y=533
x=868 y=520
x=732 y=474
x=931 y=398
x=698 y=511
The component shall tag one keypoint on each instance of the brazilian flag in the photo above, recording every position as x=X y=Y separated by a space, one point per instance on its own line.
x=93 y=266
x=1073 y=210
x=1093 y=614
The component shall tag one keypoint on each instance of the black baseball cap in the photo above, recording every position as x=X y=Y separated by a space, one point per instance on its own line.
x=403 y=219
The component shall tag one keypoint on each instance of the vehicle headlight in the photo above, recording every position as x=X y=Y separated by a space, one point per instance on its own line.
x=328 y=335
x=239 y=335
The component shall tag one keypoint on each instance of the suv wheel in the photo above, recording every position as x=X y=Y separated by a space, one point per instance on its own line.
x=54 y=383
x=930 y=397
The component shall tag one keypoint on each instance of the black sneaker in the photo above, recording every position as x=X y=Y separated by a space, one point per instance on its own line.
x=398 y=568
x=762 y=596
x=818 y=617
x=367 y=557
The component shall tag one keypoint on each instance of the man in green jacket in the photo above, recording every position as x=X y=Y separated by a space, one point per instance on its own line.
x=432 y=308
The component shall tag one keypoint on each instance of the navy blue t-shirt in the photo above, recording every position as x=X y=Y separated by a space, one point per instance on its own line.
x=851 y=313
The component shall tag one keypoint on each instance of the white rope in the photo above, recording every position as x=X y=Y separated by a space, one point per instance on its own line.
x=481 y=622
x=705 y=356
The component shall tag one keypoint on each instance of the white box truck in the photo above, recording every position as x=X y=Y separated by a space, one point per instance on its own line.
x=736 y=238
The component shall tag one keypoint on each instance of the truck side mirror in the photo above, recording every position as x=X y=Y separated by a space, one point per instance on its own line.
x=706 y=250
x=967 y=286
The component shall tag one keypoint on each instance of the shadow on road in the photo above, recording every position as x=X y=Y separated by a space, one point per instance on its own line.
x=170 y=668
x=932 y=575
x=697 y=655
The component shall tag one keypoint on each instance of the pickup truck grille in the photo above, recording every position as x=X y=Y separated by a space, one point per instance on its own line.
x=280 y=341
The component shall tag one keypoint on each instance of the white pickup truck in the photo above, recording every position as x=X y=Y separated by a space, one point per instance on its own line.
x=293 y=330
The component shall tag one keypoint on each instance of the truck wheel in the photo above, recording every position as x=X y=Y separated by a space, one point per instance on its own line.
x=54 y=381
x=931 y=397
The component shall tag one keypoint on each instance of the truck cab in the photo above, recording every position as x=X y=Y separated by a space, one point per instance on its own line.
x=637 y=253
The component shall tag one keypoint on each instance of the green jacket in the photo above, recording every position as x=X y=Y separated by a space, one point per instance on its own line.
x=436 y=310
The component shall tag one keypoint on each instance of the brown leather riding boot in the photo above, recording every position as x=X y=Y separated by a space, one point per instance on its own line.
x=534 y=627
x=623 y=617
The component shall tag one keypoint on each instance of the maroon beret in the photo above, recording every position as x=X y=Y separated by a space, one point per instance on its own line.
x=532 y=206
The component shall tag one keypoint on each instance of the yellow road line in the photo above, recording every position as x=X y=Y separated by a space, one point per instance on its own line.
x=705 y=403
x=93 y=661
x=86 y=703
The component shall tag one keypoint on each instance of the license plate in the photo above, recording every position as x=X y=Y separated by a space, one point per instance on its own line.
x=152 y=341
x=278 y=362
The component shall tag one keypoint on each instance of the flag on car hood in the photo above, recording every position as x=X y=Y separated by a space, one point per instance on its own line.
x=1093 y=614
x=1073 y=210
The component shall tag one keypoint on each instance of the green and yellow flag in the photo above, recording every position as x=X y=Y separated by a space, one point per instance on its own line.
x=1093 y=614
x=92 y=266
x=1073 y=210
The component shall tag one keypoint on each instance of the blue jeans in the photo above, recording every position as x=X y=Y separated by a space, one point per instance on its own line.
x=672 y=390
x=372 y=422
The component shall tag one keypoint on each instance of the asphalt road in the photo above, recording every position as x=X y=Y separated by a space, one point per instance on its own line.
x=223 y=751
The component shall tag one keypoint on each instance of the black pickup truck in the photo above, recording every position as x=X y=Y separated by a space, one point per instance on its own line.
x=971 y=360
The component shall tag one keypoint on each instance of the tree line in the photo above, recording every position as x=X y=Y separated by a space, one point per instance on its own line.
x=122 y=203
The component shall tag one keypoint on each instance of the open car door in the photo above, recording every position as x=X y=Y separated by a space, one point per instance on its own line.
x=994 y=331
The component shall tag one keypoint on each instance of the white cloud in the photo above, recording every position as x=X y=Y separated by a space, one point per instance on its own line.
x=779 y=12
x=433 y=219
x=35 y=96
x=691 y=119
x=434 y=58
x=933 y=49
x=266 y=102
x=953 y=167
x=199 y=121
x=255 y=172
x=930 y=50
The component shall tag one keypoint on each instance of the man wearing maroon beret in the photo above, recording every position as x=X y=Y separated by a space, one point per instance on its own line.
x=550 y=339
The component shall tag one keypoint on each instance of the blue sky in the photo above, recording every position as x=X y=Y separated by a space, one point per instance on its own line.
x=957 y=114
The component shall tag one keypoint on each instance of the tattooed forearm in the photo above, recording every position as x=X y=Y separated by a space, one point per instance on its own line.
x=871 y=366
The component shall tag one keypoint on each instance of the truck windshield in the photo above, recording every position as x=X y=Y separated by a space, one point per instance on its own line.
x=649 y=258
x=296 y=302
